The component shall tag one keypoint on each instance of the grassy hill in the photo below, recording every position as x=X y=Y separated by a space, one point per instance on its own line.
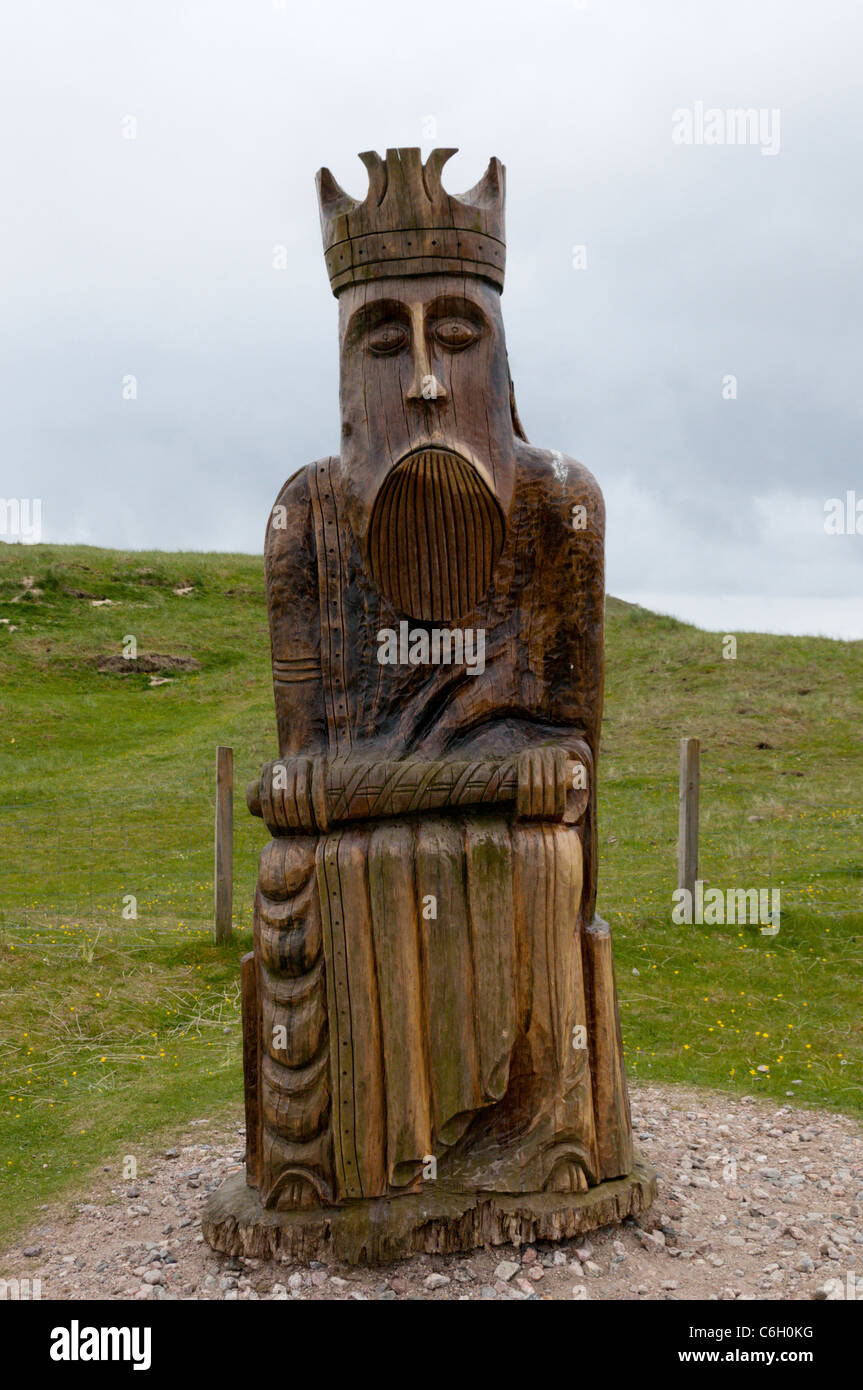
x=114 y=1028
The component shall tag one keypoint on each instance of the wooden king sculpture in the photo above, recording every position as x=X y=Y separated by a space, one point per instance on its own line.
x=432 y=1047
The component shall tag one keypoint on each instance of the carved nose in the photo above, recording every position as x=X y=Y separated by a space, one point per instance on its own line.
x=424 y=386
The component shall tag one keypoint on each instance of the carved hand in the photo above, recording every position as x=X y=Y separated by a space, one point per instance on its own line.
x=289 y=795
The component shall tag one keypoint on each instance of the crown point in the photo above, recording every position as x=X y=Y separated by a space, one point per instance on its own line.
x=489 y=191
x=433 y=170
x=332 y=197
x=377 y=175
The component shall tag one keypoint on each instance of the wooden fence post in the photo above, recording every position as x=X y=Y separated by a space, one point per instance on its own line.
x=224 y=862
x=687 y=841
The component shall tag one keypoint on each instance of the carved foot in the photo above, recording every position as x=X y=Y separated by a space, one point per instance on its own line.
x=567 y=1175
x=298 y=1195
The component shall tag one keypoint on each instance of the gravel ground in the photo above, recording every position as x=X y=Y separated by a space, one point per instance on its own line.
x=754 y=1202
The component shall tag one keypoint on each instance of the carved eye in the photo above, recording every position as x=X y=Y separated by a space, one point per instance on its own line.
x=455 y=333
x=387 y=338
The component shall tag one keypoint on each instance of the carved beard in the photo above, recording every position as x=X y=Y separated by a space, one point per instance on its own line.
x=435 y=534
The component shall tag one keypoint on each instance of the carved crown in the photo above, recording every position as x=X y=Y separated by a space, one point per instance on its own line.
x=407 y=224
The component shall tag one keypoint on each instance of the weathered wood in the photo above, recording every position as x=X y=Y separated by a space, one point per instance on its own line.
x=439 y=1223
x=224 y=847
x=251 y=1015
x=687 y=839
x=438 y=1017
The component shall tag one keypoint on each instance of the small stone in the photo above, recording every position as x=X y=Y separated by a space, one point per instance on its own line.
x=436 y=1281
x=505 y=1271
x=653 y=1240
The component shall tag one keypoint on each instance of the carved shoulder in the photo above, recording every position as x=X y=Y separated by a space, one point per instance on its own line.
x=290 y=557
x=291 y=570
x=583 y=489
x=560 y=484
x=561 y=547
x=289 y=526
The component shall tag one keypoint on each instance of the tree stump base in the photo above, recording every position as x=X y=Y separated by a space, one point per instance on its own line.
x=440 y=1222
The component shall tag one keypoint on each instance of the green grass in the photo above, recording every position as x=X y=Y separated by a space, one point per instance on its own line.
x=114 y=1030
x=713 y=1004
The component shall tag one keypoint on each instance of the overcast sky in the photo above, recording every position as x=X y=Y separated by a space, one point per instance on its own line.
x=153 y=257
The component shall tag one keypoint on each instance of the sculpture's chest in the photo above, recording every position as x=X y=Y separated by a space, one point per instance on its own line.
x=393 y=679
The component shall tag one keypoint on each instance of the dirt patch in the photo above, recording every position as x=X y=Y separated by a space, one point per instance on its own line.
x=754 y=1202
x=149 y=663
x=29 y=593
